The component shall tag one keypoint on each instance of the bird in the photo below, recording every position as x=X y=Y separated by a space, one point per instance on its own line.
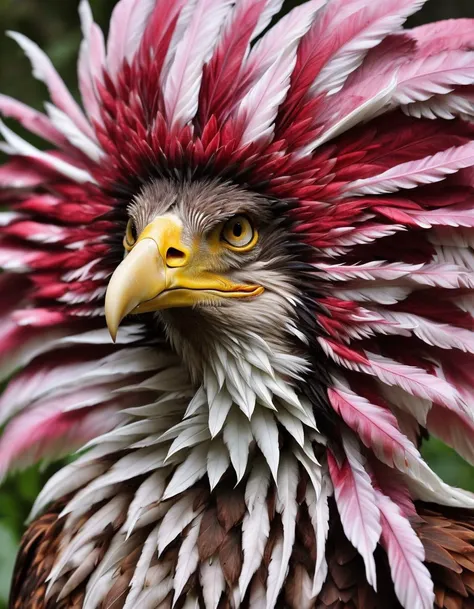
x=237 y=288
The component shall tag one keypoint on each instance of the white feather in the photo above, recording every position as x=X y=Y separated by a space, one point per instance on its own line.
x=137 y=582
x=23 y=148
x=292 y=425
x=274 y=570
x=265 y=432
x=218 y=461
x=218 y=410
x=212 y=582
x=149 y=491
x=188 y=558
x=256 y=524
x=73 y=133
x=318 y=509
x=176 y=520
x=237 y=438
x=286 y=505
x=181 y=89
x=190 y=471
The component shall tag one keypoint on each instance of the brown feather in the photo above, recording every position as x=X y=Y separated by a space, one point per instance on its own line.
x=230 y=556
x=211 y=534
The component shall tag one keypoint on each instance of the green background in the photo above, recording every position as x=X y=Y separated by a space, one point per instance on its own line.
x=53 y=24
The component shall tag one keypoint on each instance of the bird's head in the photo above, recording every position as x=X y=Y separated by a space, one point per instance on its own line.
x=213 y=261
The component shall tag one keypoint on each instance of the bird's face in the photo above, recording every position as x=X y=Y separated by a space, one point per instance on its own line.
x=208 y=251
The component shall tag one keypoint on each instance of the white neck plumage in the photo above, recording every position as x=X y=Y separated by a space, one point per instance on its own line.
x=170 y=449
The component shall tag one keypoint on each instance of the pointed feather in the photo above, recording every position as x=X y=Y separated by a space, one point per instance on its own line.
x=190 y=471
x=188 y=558
x=44 y=71
x=138 y=580
x=280 y=41
x=265 y=432
x=356 y=502
x=412 y=581
x=286 y=505
x=212 y=581
x=414 y=173
x=127 y=25
x=358 y=33
x=272 y=8
x=23 y=148
x=218 y=461
x=150 y=490
x=176 y=520
x=184 y=79
x=318 y=509
x=237 y=438
x=255 y=526
x=274 y=570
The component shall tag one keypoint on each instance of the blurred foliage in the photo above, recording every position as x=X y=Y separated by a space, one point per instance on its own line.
x=54 y=25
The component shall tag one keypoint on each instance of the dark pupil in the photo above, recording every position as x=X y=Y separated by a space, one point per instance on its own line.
x=237 y=229
x=133 y=231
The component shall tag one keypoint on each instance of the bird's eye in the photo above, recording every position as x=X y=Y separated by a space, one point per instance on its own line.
x=239 y=233
x=131 y=235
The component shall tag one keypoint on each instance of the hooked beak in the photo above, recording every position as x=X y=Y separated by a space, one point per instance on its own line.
x=160 y=272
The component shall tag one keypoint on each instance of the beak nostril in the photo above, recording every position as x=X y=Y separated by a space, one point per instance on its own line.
x=175 y=257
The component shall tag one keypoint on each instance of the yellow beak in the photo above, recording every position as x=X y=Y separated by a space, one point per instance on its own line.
x=161 y=272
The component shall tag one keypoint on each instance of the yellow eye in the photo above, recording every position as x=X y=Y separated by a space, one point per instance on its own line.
x=239 y=233
x=130 y=235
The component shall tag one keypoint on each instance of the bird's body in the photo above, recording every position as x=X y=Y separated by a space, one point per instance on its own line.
x=282 y=229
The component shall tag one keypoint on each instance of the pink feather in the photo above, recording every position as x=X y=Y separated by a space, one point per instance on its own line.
x=412 y=581
x=448 y=35
x=418 y=80
x=31 y=119
x=40 y=434
x=91 y=61
x=23 y=173
x=272 y=8
x=414 y=173
x=356 y=35
x=355 y=499
x=376 y=427
x=454 y=429
x=127 y=25
x=392 y=484
x=414 y=381
x=448 y=276
x=43 y=70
